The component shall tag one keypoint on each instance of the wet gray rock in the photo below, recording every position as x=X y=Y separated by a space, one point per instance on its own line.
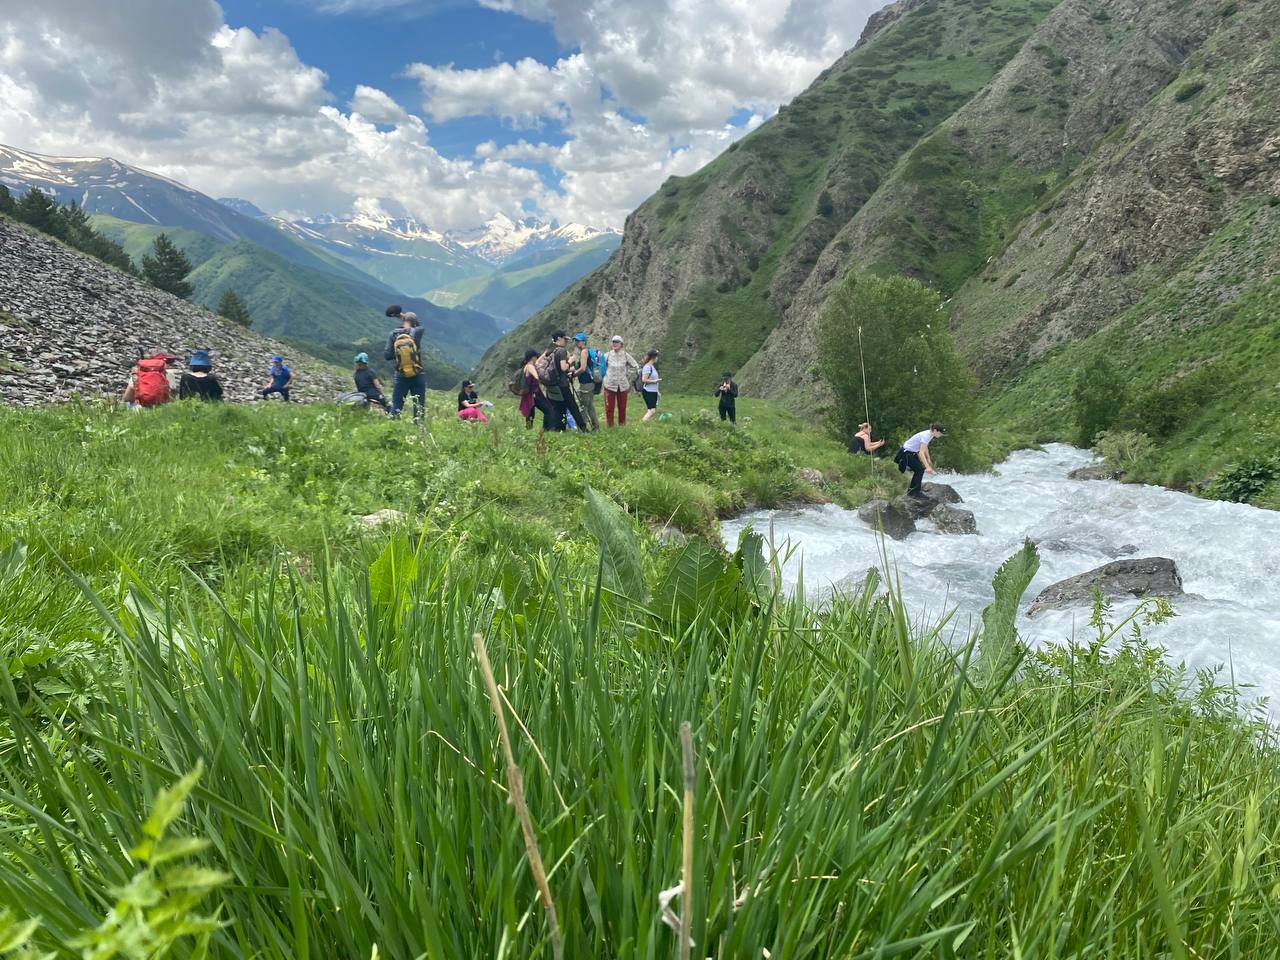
x=949 y=519
x=1150 y=576
x=941 y=492
x=71 y=326
x=881 y=514
x=381 y=518
x=1094 y=471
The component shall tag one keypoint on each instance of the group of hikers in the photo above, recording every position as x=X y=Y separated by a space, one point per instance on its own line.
x=560 y=381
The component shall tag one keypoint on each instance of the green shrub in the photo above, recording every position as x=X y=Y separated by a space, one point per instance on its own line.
x=1242 y=482
x=770 y=487
x=1124 y=450
x=670 y=499
x=1166 y=409
x=1188 y=90
x=1096 y=398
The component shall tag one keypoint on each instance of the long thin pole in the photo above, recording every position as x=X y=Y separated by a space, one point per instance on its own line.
x=686 y=866
x=866 y=401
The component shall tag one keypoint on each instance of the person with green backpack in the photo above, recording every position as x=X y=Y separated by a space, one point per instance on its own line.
x=404 y=350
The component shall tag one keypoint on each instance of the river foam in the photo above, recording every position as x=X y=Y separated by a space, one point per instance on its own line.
x=1228 y=555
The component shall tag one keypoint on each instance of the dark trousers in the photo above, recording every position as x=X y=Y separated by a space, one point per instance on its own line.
x=415 y=386
x=571 y=405
x=911 y=461
x=283 y=391
x=729 y=411
x=553 y=415
x=376 y=398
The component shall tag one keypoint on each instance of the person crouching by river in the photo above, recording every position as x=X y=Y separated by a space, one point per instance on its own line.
x=862 y=442
x=914 y=456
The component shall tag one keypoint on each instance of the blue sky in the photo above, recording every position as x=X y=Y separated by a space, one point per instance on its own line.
x=450 y=111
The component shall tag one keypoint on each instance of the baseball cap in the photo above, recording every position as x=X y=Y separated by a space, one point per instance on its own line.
x=558 y=334
x=580 y=336
x=277 y=359
x=616 y=338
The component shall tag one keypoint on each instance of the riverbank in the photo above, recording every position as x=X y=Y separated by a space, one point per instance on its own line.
x=224 y=611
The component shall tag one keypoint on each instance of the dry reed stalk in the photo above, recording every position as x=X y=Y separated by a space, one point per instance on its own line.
x=515 y=796
x=686 y=868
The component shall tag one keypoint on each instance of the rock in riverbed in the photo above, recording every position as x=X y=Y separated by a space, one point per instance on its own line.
x=949 y=519
x=1150 y=576
x=895 y=522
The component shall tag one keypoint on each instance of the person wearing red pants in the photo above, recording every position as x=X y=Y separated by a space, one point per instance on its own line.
x=620 y=372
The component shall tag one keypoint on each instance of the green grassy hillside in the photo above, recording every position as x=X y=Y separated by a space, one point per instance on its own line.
x=523 y=287
x=301 y=304
x=857 y=788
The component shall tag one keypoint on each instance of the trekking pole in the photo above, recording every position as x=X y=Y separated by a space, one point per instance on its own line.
x=866 y=401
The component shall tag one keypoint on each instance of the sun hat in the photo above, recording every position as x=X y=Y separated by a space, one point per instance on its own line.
x=200 y=358
x=362 y=358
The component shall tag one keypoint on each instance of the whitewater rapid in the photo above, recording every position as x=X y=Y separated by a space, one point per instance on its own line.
x=1228 y=555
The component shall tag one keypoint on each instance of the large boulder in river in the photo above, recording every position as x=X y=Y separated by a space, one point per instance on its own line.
x=949 y=519
x=1148 y=577
x=941 y=492
x=932 y=496
x=1094 y=471
x=883 y=515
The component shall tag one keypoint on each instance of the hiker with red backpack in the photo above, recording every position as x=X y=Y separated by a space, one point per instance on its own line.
x=404 y=350
x=281 y=377
x=149 y=382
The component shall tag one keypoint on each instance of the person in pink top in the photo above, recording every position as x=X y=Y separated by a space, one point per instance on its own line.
x=469 y=403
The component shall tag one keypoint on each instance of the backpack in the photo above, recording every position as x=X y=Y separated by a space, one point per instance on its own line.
x=404 y=349
x=516 y=384
x=546 y=367
x=595 y=363
x=153 y=382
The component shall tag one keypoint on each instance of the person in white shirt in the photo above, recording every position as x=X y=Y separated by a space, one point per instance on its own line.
x=914 y=456
x=649 y=383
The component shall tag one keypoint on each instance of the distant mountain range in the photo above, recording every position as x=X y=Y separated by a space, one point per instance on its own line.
x=324 y=278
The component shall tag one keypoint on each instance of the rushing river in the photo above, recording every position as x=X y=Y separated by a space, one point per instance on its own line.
x=1228 y=555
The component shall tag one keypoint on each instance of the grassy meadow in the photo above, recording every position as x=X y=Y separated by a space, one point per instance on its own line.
x=237 y=724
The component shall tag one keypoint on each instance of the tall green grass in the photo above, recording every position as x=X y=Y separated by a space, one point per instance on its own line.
x=861 y=790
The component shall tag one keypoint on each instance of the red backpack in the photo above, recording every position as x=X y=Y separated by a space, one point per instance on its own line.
x=153 y=382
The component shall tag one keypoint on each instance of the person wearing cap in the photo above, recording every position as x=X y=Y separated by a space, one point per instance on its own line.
x=469 y=404
x=560 y=389
x=407 y=382
x=620 y=372
x=367 y=381
x=199 y=382
x=281 y=378
x=588 y=364
x=914 y=456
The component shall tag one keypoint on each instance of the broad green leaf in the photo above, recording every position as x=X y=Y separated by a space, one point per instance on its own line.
x=619 y=546
x=12 y=559
x=394 y=570
x=998 y=619
x=750 y=559
x=693 y=580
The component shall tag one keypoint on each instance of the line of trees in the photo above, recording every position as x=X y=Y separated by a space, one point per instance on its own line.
x=166 y=267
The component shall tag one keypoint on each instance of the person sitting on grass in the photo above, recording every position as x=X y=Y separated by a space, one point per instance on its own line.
x=367 y=381
x=862 y=442
x=281 y=378
x=469 y=404
x=199 y=382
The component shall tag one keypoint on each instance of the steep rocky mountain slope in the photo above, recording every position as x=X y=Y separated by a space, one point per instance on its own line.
x=71 y=326
x=1074 y=175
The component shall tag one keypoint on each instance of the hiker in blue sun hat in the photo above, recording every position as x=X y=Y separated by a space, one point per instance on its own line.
x=199 y=382
x=367 y=381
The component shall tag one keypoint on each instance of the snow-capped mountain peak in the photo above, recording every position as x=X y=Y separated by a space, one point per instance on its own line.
x=502 y=239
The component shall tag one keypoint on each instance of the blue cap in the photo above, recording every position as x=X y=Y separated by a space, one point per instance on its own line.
x=277 y=359
x=580 y=336
x=200 y=358
x=362 y=358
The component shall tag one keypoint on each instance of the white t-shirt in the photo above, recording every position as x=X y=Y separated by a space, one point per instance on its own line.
x=650 y=372
x=921 y=439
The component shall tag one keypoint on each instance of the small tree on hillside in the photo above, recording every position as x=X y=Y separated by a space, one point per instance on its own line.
x=234 y=309
x=1096 y=398
x=35 y=208
x=167 y=267
x=914 y=374
x=7 y=204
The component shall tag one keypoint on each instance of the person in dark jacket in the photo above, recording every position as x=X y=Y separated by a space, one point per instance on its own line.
x=199 y=382
x=367 y=381
x=411 y=380
x=728 y=394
